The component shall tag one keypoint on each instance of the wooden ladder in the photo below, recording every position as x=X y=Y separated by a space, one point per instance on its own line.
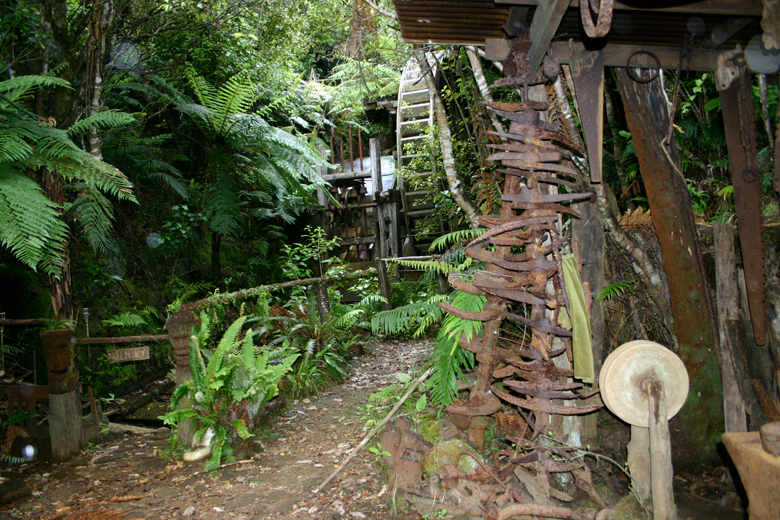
x=414 y=124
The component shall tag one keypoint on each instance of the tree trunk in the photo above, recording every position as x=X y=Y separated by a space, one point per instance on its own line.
x=701 y=421
x=216 y=253
x=61 y=287
x=479 y=77
x=445 y=139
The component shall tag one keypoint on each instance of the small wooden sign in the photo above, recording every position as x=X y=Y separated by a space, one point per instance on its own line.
x=128 y=354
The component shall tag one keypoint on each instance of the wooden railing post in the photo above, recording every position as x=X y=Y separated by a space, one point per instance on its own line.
x=179 y=326
x=64 y=415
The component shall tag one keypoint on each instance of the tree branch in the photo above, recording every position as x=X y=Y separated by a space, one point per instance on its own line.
x=381 y=11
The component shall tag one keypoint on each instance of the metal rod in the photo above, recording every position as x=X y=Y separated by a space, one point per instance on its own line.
x=351 y=154
x=360 y=149
x=341 y=145
x=2 y=344
x=332 y=152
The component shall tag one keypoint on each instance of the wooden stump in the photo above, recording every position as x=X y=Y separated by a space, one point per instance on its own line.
x=65 y=425
x=180 y=327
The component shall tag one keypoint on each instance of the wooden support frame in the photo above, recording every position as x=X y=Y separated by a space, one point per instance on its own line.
x=615 y=55
x=725 y=7
x=543 y=27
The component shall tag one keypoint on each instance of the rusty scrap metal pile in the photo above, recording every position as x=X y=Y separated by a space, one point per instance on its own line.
x=523 y=253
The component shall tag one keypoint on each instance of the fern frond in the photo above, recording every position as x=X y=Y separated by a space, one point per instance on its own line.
x=426 y=265
x=94 y=213
x=30 y=224
x=21 y=87
x=401 y=319
x=103 y=120
x=102 y=176
x=449 y=358
x=443 y=242
x=222 y=207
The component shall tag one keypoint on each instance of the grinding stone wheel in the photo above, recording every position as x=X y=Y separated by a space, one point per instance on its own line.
x=624 y=370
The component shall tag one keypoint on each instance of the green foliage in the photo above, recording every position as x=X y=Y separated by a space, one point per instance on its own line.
x=449 y=359
x=426 y=265
x=230 y=385
x=30 y=223
x=420 y=316
x=124 y=320
x=612 y=290
x=441 y=243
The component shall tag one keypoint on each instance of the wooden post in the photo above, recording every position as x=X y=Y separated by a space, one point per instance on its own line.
x=728 y=309
x=179 y=326
x=384 y=283
x=660 y=453
x=639 y=462
x=389 y=239
x=65 y=424
x=376 y=165
x=700 y=422
x=589 y=245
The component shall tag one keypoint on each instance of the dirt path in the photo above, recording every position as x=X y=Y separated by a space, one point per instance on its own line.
x=131 y=473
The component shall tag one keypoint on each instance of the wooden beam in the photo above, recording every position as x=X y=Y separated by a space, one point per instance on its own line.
x=545 y=24
x=726 y=7
x=615 y=55
x=23 y=322
x=647 y=116
x=120 y=339
x=332 y=177
x=723 y=32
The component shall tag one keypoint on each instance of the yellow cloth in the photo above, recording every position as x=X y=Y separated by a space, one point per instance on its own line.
x=581 y=334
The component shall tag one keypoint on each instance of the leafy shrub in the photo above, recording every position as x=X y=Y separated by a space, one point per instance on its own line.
x=229 y=387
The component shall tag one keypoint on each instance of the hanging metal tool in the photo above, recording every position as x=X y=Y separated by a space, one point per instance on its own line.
x=739 y=123
x=588 y=74
x=521 y=253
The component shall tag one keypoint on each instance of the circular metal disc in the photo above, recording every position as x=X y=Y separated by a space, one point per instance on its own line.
x=759 y=58
x=627 y=366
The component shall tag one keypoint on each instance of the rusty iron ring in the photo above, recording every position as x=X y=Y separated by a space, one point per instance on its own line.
x=750 y=175
x=634 y=75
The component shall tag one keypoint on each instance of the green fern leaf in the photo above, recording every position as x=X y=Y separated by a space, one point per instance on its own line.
x=30 y=223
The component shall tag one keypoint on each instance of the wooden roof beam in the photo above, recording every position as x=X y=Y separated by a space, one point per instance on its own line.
x=545 y=24
x=726 y=7
x=616 y=55
x=723 y=32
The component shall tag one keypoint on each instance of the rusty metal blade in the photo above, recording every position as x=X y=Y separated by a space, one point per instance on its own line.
x=477 y=405
x=528 y=157
x=516 y=107
x=522 y=118
x=740 y=138
x=589 y=88
x=536 y=176
x=544 y=406
x=543 y=205
x=541 y=325
x=466 y=315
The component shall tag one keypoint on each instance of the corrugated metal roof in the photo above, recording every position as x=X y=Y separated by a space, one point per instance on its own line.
x=474 y=21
